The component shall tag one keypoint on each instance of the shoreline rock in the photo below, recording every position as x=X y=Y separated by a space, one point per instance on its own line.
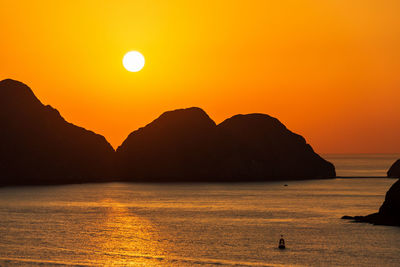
x=389 y=212
x=394 y=170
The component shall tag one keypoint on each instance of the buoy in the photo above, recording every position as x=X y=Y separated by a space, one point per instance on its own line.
x=281 y=243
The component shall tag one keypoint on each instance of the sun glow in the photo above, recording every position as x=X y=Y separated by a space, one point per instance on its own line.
x=318 y=66
x=133 y=61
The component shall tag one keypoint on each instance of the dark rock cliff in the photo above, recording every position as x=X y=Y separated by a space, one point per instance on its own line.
x=394 y=171
x=186 y=146
x=174 y=147
x=257 y=147
x=389 y=212
x=39 y=147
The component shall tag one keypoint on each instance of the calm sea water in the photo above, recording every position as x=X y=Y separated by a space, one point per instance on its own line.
x=362 y=164
x=196 y=224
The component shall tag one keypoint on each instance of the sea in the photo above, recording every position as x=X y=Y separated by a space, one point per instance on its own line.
x=238 y=224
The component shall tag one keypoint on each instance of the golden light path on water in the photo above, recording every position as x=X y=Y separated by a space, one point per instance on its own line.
x=122 y=224
x=126 y=238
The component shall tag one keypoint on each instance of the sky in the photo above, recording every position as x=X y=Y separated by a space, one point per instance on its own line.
x=329 y=70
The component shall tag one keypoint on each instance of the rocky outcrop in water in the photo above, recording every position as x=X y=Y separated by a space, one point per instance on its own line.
x=389 y=212
x=394 y=171
x=187 y=146
x=259 y=147
x=37 y=146
x=178 y=146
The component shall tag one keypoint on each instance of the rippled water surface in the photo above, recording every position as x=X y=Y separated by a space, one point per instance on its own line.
x=362 y=165
x=196 y=224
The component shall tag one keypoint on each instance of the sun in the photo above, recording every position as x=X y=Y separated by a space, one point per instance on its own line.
x=133 y=61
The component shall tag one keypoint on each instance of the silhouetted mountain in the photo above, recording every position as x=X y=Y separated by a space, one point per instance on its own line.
x=259 y=147
x=174 y=147
x=39 y=147
x=186 y=146
x=389 y=212
x=394 y=171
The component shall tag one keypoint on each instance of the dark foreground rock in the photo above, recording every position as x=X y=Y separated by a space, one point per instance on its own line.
x=258 y=147
x=178 y=146
x=187 y=146
x=394 y=171
x=37 y=146
x=389 y=212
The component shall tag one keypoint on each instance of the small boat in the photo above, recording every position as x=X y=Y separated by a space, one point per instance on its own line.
x=281 y=243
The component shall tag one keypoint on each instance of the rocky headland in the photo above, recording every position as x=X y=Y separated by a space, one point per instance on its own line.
x=394 y=170
x=39 y=147
x=389 y=212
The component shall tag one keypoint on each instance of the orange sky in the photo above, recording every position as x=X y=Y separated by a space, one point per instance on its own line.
x=329 y=70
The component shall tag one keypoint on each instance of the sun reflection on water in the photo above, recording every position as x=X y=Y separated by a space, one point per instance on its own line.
x=127 y=239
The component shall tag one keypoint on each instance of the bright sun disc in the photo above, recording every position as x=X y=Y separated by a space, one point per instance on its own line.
x=133 y=61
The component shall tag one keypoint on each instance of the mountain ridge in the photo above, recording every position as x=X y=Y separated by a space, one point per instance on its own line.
x=40 y=147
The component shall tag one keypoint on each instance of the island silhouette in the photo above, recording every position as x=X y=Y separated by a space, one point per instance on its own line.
x=39 y=147
x=389 y=212
x=184 y=145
